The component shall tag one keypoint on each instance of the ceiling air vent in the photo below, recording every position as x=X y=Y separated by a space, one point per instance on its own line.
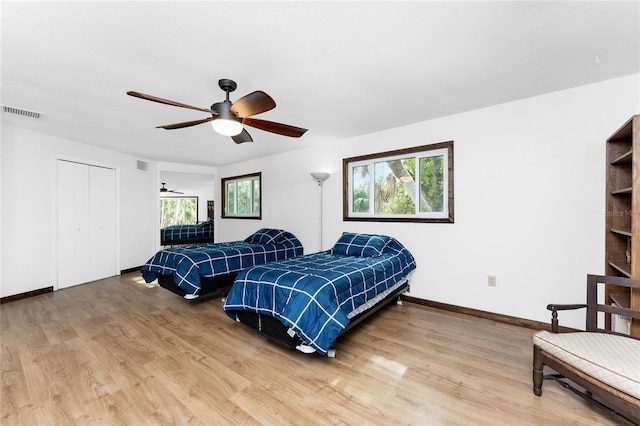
x=22 y=112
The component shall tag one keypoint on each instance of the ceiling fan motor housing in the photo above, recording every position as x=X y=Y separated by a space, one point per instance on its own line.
x=223 y=110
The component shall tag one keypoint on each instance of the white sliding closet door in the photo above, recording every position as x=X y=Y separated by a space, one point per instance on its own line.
x=73 y=223
x=102 y=213
x=86 y=223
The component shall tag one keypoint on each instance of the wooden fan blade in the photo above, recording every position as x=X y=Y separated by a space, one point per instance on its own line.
x=242 y=137
x=279 y=128
x=252 y=104
x=167 y=102
x=184 y=124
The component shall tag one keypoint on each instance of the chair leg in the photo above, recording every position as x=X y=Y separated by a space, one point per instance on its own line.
x=538 y=367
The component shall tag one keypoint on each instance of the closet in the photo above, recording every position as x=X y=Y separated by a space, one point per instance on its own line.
x=86 y=223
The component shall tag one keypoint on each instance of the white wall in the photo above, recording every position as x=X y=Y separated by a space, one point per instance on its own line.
x=529 y=199
x=29 y=213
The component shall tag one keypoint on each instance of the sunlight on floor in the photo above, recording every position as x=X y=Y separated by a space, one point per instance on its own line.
x=389 y=366
x=140 y=280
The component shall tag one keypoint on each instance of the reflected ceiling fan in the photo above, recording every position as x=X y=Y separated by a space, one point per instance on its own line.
x=229 y=118
x=163 y=188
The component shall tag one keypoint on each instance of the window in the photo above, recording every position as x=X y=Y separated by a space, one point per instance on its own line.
x=406 y=185
x=178 y=211
x=242 y=196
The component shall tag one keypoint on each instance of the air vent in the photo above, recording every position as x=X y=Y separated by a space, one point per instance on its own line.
x=142 y=166
x=22 y=112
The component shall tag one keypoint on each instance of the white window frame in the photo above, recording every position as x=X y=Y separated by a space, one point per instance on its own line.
x=444 y=149
x=256 y=206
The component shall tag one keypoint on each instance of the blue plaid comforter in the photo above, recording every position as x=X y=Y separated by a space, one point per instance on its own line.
x=314 y=294
x=188 y=264
x=184 y=234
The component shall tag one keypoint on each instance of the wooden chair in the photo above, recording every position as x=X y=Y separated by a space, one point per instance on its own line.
x=604 y=363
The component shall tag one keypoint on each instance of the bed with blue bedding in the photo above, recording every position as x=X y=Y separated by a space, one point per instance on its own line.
x=198 y=269
x=187 y=234
x=306 y=302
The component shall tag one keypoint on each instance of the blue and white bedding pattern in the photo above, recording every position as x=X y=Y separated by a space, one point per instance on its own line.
x=314 y=295
x=187 y=264
x=183 y=234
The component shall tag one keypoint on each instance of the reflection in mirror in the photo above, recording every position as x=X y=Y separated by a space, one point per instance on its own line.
x=190 y=185
x=178 y=210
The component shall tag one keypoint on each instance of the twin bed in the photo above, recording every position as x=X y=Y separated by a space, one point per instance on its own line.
x=303 y=302
x=307 y=302
x=196 y=270
x=187 y=234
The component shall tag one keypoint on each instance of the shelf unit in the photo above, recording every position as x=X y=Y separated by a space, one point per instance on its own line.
x=622 y=243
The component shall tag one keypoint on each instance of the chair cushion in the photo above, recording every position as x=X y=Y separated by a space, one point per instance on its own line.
x=614 y=360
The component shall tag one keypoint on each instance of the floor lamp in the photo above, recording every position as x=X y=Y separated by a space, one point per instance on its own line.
x=320 y=177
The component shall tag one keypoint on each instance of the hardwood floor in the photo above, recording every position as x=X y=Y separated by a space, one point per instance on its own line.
x=119 y=351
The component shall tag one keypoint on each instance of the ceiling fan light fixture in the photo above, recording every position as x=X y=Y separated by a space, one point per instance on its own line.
x=226 y=126
x=225 y=123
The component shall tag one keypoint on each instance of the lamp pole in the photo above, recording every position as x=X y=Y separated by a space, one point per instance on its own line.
x=320 y=177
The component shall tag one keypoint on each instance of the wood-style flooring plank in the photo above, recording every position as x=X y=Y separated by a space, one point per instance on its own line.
x=121 y=351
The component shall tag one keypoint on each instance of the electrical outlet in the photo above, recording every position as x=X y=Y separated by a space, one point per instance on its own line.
x=491 y=281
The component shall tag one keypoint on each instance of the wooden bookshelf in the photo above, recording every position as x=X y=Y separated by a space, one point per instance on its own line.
x=622 y=243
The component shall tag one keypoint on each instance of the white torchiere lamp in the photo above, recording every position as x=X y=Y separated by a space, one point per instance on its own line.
x=320 y=177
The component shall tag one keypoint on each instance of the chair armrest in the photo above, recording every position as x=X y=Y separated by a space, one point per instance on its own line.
x=554 y=308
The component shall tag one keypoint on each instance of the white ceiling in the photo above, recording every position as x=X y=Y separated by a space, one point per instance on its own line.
x=340 y=69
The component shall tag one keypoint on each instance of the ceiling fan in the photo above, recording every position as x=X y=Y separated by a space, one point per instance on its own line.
x=163 y=188
x=228 y=118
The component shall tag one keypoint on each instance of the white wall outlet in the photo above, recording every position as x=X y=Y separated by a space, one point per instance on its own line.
x=491 y=280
